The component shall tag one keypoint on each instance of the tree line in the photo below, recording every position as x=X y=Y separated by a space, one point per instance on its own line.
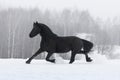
x=16 y=24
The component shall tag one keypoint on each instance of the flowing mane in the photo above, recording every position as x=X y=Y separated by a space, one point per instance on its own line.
x=46 y=31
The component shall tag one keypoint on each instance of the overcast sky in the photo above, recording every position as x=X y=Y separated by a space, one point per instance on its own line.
x=97 y=8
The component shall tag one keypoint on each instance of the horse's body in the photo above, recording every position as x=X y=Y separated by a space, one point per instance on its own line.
x=54 y=44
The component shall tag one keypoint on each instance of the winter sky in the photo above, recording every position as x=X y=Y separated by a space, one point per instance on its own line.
x=97 y=8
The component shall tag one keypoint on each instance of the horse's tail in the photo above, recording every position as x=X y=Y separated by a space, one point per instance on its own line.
x=87 y=46
x=82 y=51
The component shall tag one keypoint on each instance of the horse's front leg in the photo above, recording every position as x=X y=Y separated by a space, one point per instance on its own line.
x=33 y=56
x=48 y=57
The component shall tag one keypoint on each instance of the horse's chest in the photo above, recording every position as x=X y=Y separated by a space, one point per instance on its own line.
x=48 y=45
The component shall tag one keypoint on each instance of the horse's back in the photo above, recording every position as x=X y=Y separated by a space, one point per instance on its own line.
x=69 y=43
x=70 y=40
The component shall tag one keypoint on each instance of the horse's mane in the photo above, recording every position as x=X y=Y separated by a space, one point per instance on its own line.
x=46 y=31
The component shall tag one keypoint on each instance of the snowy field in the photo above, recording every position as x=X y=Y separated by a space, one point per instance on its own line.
x=99 y=69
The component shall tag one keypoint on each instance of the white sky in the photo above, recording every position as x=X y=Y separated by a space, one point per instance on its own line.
x=97 y=8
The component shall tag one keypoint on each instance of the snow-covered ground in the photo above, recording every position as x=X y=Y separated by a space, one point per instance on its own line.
x=99 y=69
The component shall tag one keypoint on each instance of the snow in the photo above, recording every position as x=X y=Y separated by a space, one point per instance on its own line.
x=85 y=36
x=100 y=68
x=115 y=52
x=16 y=69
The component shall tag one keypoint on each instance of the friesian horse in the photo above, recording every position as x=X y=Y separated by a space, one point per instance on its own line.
x=52 y=43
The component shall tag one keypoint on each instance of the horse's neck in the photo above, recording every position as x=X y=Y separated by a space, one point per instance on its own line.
x=49 y=35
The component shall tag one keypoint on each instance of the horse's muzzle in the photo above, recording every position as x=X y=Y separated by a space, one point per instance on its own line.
x=31 y=36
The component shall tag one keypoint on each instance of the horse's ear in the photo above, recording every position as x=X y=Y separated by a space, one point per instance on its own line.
x=36 y=22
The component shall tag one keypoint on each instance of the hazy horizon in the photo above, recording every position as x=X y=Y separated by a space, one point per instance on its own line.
x=98 y=8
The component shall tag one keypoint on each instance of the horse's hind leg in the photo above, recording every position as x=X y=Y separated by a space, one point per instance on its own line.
x=87 y=48
x=88 y=59
x=48 y=57
x=72 y=59
x=30 y=59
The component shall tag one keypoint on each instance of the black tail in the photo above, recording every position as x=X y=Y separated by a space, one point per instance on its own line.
x=87 y=46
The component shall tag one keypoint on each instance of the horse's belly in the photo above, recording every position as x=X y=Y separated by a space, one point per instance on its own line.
x=62 y=49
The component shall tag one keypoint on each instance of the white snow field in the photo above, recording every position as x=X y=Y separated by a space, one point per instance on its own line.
x=99 y=69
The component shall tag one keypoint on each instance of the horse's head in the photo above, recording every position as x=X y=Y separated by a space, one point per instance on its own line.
x=36 y=30
x=42 y=29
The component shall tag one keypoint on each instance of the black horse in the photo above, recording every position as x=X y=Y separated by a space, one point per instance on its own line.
x=52 y=43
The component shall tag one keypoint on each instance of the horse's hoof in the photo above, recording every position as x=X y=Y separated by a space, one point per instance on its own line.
x=89 y=60
x=27 y=62
x=70 y=62
x=53 y=61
